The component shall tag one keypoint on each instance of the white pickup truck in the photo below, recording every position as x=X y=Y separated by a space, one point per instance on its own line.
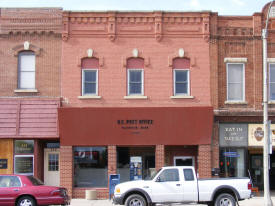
x=179 y=185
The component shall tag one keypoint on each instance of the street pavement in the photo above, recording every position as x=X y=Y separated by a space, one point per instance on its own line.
x=255 y=201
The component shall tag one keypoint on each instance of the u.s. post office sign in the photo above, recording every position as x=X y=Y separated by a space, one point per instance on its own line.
x=256 y=134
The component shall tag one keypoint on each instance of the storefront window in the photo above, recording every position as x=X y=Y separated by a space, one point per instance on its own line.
x=90 y=167
x=24 y=146
x=135 y=163
x=23 y=157
x=23 y=164
x=232 y=162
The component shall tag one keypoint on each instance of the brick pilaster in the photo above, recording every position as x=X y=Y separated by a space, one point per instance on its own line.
x=204 y=161
x=112 y=158
x=160 y=156
x=66 y=168
x=215 y=146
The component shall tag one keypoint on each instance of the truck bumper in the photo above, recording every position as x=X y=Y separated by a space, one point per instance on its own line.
x=118 y=200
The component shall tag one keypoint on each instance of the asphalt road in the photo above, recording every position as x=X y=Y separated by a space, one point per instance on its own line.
x=256 y=201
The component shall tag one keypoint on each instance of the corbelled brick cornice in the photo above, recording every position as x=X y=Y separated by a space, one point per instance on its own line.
x=30 y=21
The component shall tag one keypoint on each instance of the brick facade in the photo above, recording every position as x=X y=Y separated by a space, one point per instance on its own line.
x=112 y=37
x=42 y=29
x=30 y=113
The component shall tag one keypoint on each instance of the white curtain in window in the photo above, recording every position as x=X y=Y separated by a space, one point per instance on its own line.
x=27 y=71
x=235 y=82
x=272 y=81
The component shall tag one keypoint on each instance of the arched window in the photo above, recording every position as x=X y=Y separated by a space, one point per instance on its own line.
x=89 y=76
x=135 y=76
x=181 y=74
x=26 y=70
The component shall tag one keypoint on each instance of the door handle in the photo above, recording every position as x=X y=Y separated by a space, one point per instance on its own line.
x=177 y=184
x=16 y=190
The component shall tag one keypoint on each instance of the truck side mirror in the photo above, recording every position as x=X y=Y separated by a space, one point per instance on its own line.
x=158 y=179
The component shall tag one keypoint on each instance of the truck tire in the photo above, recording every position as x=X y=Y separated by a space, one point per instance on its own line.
x=225 y=199
x=135 y=200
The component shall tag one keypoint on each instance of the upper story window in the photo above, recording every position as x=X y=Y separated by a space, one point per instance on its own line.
x=235 y=82
x=26 y=70
x=90 y=76
x=135 y=76
x=181 y=76
x=272 y=82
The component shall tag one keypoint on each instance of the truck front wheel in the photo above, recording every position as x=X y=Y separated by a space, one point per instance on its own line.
x=135 y=200
x=225 y=199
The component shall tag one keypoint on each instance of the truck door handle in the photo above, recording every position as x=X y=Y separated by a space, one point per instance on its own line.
x=16 y=190
x=177 y=184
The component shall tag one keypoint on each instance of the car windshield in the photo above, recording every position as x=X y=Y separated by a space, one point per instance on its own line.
x=35 y=181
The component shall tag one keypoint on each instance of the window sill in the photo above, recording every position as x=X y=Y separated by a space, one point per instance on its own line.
x=271 y=102
x=25 y=90
x=182 y=97
x=135 y=97
x=89 y=97
x=236 y=102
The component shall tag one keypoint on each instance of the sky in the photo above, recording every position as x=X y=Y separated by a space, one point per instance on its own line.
x=223 y=7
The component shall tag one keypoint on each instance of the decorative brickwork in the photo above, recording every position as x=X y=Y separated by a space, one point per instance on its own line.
x=204 y=161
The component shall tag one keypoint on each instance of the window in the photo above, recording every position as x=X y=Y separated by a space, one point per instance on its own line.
x=188 y=174
x=90 y=167
x=233 y=162
x=272 y=82
x=235 y=82
x=135 y=82
x=53 y=164
x=181 y=82
x=89 y=76
x=9 y=181
x=23 y=158
x=26 y=70
x=169 y=175
x=89 y=82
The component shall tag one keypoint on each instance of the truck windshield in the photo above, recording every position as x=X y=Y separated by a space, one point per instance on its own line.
x=153 y=175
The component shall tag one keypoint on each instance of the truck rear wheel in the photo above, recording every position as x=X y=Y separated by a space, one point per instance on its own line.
x=225 y=199
x=135 y=200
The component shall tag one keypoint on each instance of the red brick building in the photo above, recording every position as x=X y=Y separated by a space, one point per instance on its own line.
x=136 y=96
x=30 y=63
x=237 y=93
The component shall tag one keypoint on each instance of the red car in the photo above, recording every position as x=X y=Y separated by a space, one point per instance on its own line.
x=21 y=190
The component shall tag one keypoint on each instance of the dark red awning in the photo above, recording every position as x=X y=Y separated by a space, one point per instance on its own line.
x=135 y=126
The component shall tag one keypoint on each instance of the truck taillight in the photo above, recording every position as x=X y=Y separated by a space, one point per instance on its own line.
x=249 y=186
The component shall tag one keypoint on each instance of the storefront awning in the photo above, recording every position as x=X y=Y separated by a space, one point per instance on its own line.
x=135 y=126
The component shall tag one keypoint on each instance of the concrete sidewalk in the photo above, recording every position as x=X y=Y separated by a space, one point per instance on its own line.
x=256 y=201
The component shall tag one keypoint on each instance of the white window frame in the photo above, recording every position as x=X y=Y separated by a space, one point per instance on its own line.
x=272 y=100
x=24 y=156
x=243 y=86
x=142 y=82
x=188 y=83
x=83 y=86
x=25 y=53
